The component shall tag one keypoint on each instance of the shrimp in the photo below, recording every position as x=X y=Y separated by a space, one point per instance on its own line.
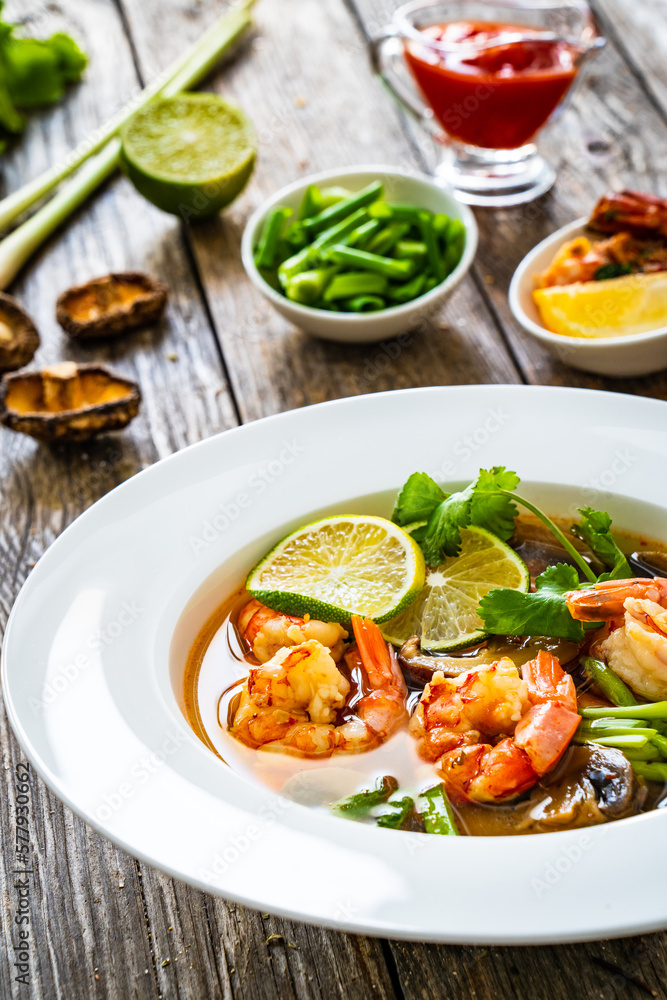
x=493 y=733
x=267 y=631
x=636 y=646
x=291 y=702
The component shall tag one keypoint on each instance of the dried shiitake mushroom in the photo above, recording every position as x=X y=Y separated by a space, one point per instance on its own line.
x=107 y=306
x=67 y=402
x=18 y=335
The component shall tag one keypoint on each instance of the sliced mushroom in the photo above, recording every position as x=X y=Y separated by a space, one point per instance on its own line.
x=592 y=784
x=67 y=402
x=108 y=306
x=420 y=666
x=19 y=338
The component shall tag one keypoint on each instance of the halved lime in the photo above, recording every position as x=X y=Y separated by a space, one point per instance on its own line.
x=331 y=569
x=445 y=613
x=190 y=155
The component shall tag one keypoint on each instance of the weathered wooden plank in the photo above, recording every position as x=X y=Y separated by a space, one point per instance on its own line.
x=611 y=136
x=640 y=32
x=300 y=81
x=89 y=930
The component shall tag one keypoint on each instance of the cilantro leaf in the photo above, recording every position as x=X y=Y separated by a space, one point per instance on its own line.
x=490 y=509
x=595 y=530
x=443 y=531
x=481 y=504
x=417 y=500
x=544 y=613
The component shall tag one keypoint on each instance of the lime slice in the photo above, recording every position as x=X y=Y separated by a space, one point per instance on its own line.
x=339 y=566
x=190 y=155
x=445 y=613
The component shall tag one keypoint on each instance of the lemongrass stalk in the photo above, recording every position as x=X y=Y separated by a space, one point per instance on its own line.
x=17 y=248
x=200 y=52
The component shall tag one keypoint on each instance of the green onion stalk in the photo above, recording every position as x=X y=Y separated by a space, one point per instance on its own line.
x=99 y=157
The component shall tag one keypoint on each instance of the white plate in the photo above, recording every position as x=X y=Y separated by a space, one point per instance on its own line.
x=93 y=657
x=617 y=357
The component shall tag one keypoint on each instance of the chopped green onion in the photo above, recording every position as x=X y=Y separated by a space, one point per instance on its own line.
x=438 y=814
x=432 y=249
x=387 y=238
x=652 y=772
x=265 y=255
x=632 y=740
x=343 y=208
x=399 y=270
x=410 y=249
x=308 y=286
x=653 y=710
x=354 y=283
x=342 y=229
x=455 y=237
x=361 y=236
x=366 y=303
x=332 y=195
x=609 y=683
x=294 y=265
x=398 y=212
x=649 y=752
x=410 y=290
x=311 y=203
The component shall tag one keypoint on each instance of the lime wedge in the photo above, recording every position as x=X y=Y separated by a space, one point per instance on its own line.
x=341 y=566
x=445 y=613
x=190 y=155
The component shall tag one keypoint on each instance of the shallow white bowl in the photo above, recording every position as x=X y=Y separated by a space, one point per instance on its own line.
x=617 y=357
x=94 y=651
x=360 y=328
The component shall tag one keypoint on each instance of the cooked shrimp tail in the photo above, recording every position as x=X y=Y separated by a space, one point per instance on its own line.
x=605 y=601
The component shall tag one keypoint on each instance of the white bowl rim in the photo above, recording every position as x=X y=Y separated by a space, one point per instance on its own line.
x=556 y=239
x=406 y=308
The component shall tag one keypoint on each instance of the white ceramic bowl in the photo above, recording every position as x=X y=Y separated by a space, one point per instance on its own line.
x=353 y=328
x=94 y=651
x=617 y=357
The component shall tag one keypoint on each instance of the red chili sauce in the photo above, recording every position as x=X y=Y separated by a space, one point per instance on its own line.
x=497 y=97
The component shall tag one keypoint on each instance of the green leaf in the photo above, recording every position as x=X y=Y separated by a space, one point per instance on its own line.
x=443 y=535
x=71 y=60
x=490 y=509
x=417 y=500
x=481 y=503
x=544 y=613
x=595 y=530
x=32 y=72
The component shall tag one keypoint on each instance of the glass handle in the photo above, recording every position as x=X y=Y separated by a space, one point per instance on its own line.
x=388 y=62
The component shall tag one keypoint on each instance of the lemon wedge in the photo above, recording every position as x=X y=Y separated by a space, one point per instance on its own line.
x=615 y=307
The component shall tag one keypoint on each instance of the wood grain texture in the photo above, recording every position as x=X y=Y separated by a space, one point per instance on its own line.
x=106 y=926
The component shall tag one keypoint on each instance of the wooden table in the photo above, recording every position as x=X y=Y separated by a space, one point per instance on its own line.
x=103 y=924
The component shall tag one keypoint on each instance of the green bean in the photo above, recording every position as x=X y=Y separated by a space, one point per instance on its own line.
x=342 y=229
x=438 y=815
x=344 y=208
x=399 y=270
x=456 y=237
x=366 y=303
x=653 y=710
x=610 y=684
x=332 y=195
x=308 y=286
x=440 y=224
x=265 y=253
x=311 y=203
x=387 y=238
x=355 y=283
x=652 y=772
x=362 y=234
x=294 y=265
x=432 y=249
x=363 y=802
x=410 y=249
x=409 y=291
x=395 y=819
